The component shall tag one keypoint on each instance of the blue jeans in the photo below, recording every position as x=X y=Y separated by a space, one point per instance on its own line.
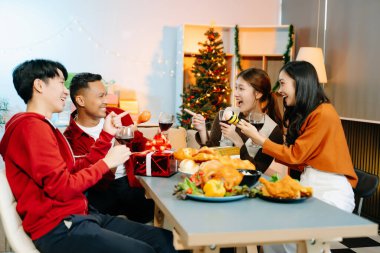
x=99 y=233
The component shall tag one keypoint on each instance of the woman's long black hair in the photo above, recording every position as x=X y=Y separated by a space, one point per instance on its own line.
x=309 y=94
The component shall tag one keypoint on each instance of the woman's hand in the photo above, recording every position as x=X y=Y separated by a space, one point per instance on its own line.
x=251 y=132
x=112 y=122
x=229 y=132
x=199 y=122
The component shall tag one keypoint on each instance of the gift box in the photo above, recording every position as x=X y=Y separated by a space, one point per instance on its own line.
x=154 y=164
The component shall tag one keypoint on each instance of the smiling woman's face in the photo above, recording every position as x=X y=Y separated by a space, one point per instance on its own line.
x=244 y=95
x=287 y=88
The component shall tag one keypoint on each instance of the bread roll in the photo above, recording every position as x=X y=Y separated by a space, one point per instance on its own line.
x=188 y=166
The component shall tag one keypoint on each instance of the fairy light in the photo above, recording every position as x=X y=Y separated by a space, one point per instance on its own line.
x=73 y=26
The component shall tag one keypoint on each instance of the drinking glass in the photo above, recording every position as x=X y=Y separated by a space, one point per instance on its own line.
x=124 y=134
x=165 y=121
x=257 y=120
x=224 y=116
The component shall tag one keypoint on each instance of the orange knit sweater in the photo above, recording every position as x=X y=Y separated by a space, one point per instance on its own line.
x=321 y=144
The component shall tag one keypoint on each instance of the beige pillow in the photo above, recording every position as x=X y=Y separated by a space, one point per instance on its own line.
x=177 y=136
x=191 y=142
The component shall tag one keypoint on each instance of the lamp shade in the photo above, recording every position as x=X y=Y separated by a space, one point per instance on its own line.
x=314 y=56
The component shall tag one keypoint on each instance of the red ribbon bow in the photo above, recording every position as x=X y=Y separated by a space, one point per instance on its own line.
x=159 y=143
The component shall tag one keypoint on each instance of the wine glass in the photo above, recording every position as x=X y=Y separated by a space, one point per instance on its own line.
x=256 y=119
x=125 y=134
x=228 y=116
x=165 y=121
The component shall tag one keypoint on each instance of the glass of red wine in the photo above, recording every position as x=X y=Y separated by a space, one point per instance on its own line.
x=125 y=134
x=165 y=121
x=256 y=119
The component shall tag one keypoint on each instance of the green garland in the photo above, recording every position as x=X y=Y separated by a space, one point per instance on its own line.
x=237 y=53
x=286 y=55
x=290 y=44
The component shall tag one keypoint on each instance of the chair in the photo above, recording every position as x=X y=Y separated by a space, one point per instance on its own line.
x=366 y=187
x=19 y=241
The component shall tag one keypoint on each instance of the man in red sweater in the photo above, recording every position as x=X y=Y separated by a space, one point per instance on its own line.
x=48 y=183
x=118 y=193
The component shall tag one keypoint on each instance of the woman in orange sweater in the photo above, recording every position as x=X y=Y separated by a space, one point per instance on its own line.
x=315 y=142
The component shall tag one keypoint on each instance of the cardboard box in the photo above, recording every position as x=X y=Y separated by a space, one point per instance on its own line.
x=154 y=164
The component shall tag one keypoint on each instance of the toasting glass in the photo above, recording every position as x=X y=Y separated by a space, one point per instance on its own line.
x=224 y=116
x=256 y=119
x=125 y=134
x=165 y=121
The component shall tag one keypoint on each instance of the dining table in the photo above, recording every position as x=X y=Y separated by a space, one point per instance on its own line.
x=245 y=223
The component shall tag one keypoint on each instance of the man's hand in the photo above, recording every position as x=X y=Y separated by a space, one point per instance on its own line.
x=112 y=122
x=116 y=156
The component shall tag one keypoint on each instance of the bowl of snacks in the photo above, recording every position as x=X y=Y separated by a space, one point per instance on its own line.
x=250 y=177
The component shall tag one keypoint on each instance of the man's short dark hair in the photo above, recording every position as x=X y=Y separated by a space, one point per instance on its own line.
x=28 y=71
x=80 y=81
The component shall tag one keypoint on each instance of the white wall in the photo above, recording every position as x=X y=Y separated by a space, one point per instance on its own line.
x=131 y=42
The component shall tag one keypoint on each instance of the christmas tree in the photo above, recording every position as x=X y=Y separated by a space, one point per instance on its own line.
x=211 y=91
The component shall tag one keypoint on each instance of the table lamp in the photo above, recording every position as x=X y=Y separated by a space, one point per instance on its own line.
x=314 y=56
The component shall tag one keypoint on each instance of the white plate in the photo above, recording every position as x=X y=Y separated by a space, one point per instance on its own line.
x=215 y=199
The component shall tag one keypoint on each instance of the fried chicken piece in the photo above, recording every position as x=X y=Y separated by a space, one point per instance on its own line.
x=214 y=169
x=201 y=155
x=185 y=153
x=285 y=188
x=236 y=163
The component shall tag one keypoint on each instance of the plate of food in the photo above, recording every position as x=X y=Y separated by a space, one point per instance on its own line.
x=285 y=190
x=215 y=199
x=282 y=200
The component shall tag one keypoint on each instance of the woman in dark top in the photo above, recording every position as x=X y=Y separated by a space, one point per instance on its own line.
x=253 y=95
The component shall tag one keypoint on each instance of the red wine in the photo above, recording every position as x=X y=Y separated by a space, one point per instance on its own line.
x=165 y=126
x=258 y=125
x=124 y=141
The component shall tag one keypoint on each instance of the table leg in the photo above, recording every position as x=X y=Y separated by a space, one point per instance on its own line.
x=241 y=250
x=207 y=249
x=251 y=248
x=158 y=220
x=313 y=246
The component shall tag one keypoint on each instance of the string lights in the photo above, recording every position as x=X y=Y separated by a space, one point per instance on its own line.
x=75 y=26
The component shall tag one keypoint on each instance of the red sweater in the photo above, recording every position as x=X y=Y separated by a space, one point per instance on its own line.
x=81 y=144
x=46 y=181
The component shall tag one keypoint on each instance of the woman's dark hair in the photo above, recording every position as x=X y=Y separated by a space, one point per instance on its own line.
x=28 y=71
x=80 y=81
x=260 y=81
x=309 y=94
